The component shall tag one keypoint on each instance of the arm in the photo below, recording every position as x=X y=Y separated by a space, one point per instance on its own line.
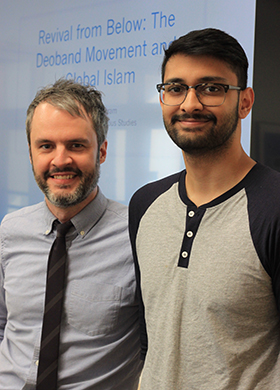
x=133 y=226
x=264 y=216
x=3 y=309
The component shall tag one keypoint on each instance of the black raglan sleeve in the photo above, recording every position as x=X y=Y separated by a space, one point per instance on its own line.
x=134 y=220
x=264 y=216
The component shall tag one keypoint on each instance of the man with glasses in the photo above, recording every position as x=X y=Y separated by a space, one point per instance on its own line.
x=206 y=240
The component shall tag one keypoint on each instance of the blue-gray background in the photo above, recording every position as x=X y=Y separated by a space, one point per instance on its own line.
x=117 y=46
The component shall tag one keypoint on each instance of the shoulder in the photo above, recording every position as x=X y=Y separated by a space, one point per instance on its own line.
x=147 y=194
x=21 y=226
x=117 y=210
x=265 y=173
x=263 y=185
x=25 y=214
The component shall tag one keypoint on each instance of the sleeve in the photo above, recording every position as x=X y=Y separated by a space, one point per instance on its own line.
x=3 y=309
x=266 y=237
x=264 y=218
x=272 y=264
x=133 y=227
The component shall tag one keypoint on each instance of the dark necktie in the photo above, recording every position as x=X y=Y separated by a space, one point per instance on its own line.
x=49 y=351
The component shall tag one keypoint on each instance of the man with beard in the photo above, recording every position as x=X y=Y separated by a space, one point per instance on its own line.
x=99 y=345
x=206 y=241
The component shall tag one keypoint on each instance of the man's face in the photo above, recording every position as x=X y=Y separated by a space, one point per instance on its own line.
x=197 y=129
x=64 y=156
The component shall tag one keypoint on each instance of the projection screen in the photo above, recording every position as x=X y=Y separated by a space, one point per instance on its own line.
x=116 y=46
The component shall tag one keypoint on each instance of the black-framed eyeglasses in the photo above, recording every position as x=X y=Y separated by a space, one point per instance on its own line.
x=208 y=94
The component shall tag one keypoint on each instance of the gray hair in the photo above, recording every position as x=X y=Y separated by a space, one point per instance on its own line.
x=76 y=99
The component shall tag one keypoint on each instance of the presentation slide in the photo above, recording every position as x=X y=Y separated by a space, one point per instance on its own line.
x=116 y=46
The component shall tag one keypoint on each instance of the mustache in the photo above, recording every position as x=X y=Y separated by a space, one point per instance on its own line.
x=77 y=171
x=209 y=117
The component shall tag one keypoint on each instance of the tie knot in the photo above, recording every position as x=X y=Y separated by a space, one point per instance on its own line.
x=62 y=228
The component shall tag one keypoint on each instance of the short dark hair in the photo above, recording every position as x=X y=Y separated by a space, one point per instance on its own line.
x=211 y=42
x=74 y=98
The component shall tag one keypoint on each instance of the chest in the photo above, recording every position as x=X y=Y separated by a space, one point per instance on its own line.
x=223 y=274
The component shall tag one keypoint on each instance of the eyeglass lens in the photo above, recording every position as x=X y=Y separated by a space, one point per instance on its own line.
x=207 y=94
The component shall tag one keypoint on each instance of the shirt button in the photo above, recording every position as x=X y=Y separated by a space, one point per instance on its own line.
x=189 y=234
x=185 y=254
x=37 y=362
x=82 y=233
x=47 y=232
x=191 y=214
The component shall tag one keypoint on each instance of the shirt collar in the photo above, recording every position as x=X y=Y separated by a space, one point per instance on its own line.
x=85 y=219
x=90 y=215
x=49 y=219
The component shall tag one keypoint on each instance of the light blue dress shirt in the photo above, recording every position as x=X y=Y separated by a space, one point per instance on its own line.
x=99 y=334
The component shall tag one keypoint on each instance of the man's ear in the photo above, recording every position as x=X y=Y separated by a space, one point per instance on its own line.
x=160 y=102
x=30 y=155
x=246 y=102
x=103 y=151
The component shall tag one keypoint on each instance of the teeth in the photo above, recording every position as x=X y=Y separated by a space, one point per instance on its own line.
x=63 y=177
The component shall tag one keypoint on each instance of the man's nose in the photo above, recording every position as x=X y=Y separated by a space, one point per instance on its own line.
x=61 y=157
x=191 y=102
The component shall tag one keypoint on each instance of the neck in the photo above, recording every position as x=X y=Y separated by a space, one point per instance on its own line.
x=210 y=176
x=65 y=214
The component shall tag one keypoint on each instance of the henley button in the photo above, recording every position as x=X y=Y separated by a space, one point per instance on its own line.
x=189 y=234
x=191 y=213
x=185 y=254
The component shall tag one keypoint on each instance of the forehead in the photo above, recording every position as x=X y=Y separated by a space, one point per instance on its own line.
x=195 y=69
x=54 y=121
x=47 y=113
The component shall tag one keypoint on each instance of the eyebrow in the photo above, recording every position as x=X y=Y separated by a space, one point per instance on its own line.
x=41 y=141
x=205 y=79
x=74 y=140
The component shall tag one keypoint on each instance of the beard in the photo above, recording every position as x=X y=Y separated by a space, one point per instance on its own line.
x=87 y=184
x=215 y=139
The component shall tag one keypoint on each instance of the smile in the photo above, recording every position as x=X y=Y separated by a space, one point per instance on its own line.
x=191 y=121
x=193 y=124
x=63 y=177
x=194 y=119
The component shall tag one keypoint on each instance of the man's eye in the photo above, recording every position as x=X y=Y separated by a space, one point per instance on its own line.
x=212 y=89
x=77 y=146
x=176 y=89
x=45 y=146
